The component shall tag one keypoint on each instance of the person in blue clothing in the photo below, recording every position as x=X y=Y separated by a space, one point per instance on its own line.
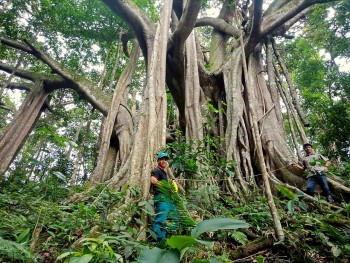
x=167 y=215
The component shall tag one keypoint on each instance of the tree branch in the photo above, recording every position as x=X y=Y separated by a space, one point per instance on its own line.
x=218 y=24
x=286 y=11
x=283 y=29
x=5 y=107
x=186 y=25
x=257 y=17
x=276 y=5
x=18 y=86
x=20 y=72
x=136 y=19
x=15 y=44
x=85 y=89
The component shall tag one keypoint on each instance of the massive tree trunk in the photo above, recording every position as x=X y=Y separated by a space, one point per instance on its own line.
x=16 y=133
x=150 y=130
x=106 y=159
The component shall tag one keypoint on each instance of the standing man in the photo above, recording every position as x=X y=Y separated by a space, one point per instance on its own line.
x=165 y=207
x=316 y=166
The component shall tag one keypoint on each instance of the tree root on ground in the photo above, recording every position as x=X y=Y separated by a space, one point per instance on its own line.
x=252 y=247
x=307 y=197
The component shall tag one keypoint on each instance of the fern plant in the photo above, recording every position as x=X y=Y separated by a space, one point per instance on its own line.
x=16 y=252
x=169 y=192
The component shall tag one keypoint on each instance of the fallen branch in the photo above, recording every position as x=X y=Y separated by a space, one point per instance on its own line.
x=251 y=248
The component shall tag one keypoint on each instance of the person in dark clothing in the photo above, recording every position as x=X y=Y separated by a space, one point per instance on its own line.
x=316 y=166
x=167 y=216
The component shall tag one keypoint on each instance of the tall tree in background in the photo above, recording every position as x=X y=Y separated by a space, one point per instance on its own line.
x=323 y=83
x=238 y=67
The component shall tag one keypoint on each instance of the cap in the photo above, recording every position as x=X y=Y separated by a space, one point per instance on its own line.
x=161 y=155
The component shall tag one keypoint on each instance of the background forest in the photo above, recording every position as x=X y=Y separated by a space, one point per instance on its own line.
x=91 y=90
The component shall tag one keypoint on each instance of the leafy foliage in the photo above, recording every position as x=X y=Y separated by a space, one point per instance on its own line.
x=295 y=199
x=15 y=251
x=180 y=244
x=99 y=227
x=101 y=249
x=313 y=59
x=216 y=224
x=169 y=192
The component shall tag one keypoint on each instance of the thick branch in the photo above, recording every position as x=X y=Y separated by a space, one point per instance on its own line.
x=285 y=12
x=136 y=19
x=218 y=43
x=57 y=82
x=257 y=16
x=218 y=24
x=87 y=90
x=251 y=248
x=20 y=72
x=18 y=86
x=283 y=29
x=186 y=25
x=5 y=107
x=275 y=6
x=15 y=44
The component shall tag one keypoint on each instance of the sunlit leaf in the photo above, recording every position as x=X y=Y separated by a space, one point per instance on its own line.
x=180 y=242
x=217 y=224
x=286 y=192
x=157 y=255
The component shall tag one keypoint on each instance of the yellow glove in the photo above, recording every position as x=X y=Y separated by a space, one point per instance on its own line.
x=176 y=187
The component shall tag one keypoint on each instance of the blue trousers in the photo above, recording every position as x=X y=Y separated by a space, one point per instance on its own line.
x=167 y=218
x=320 y=179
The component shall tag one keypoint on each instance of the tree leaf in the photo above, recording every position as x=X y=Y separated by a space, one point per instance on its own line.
x=217 y=224
x=212 y=260
x=208 y=244
x=181 y=242
x=286 y=192
x=260 y=259
x=302 y=205
x=157 y=255
x=149 y=208
x=23 y=236
x=290 y=206
x=60 y=175
x=64 y=255
x=85 y=258
x=240 y=237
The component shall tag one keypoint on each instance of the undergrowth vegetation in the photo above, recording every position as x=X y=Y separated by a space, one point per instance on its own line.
x=102 y=227
x=46 y=221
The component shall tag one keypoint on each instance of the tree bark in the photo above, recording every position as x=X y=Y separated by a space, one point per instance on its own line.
x=292 y=90
x=108 y=123
x=193 y=113
x=150 y=130
x=252 y=248
x=250 y=83
x=16 y=133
